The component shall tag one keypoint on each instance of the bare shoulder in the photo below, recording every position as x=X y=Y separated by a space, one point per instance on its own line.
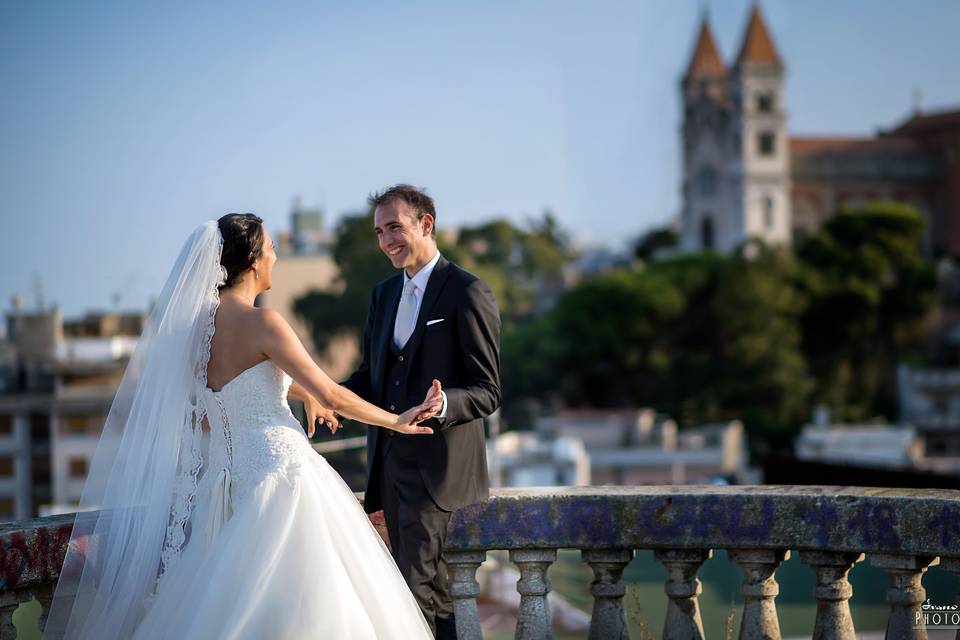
x=268 y=329
x=268 y=320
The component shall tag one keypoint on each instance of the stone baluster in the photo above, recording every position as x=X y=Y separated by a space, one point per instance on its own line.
x=832 y=592
x=607 y=620
x=760 y=621
x=953 y=566
x=533 y=618
x=906 y=593
x=683 y=589
x=462 y=569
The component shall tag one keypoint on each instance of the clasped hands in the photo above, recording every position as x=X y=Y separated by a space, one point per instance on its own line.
x=406 y=422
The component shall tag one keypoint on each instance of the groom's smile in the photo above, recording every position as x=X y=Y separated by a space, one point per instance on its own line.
x=404 y=238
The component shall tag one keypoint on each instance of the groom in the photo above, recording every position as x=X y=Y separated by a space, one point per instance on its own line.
x=433 y=320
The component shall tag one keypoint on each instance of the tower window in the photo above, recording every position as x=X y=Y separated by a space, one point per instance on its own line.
x=768 y=212
x=765 y=101
x=706 y=232
x=766 y=143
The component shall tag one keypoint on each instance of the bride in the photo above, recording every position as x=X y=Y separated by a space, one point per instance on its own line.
x=206 y=513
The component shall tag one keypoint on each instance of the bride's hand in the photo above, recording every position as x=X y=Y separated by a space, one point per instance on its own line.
x=430 y=407
x=316 y=411
x=434 y=395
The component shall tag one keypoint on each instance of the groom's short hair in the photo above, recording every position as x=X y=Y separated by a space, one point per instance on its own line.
x=417 y=199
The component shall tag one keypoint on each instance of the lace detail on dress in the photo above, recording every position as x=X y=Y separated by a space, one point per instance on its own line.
x=275 y=452
x=227 y=437
x=254 y=433
x=191 y=456
x=253 y=437
x=185 y=487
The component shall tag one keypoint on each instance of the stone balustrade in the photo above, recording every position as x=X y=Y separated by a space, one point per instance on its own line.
x=901 y=531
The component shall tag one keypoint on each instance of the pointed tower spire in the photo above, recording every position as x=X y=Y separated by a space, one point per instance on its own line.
x=757 y=47
x=706 y=59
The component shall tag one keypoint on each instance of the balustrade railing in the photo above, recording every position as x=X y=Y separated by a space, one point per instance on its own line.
x=901 y=531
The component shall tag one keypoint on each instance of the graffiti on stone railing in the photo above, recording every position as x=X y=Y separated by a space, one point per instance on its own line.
x=823 y=517
x=870 y=525
x=721 y=519
x=30 y=555
x=875 y=524
x=698 y=517
x=593 y=519
x=751 y=520
x=947 y=524
x=602 y=521
x=521 y=520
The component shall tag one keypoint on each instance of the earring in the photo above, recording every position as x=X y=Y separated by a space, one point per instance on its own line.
x=256 y=274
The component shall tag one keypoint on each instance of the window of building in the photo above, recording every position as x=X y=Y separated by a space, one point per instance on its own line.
x=6 y=425
x=765 y=101
x=39 y=428
x=40 y=470
x=766 y=143
x=707 y=181
x=78 y=467
x=6 y=467
x=7 y=508
x=73 y=424
x=706 y=232
x=768 y=212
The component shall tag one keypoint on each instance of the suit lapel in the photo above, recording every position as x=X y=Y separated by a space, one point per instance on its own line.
x=434 y=286
x=388 y=317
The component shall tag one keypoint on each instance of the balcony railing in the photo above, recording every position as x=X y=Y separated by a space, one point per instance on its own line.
x=901 y=531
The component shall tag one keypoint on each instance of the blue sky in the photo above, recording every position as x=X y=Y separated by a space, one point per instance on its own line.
x=123 y=127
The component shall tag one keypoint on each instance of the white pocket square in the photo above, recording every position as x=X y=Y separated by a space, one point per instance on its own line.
x=430 y=322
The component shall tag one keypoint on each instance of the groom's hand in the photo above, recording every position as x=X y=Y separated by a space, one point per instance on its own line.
x=407 y=421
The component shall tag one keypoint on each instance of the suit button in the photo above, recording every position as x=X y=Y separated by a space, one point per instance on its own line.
x=400 y=358
x=396 y=383
x=393 y=407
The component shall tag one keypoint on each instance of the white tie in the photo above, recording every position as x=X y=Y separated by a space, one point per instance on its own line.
x=406 y=315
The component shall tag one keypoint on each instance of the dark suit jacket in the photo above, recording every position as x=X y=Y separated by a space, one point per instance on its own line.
x=463 y=353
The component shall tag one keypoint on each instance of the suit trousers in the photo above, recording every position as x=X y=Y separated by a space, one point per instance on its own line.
x=417 y=529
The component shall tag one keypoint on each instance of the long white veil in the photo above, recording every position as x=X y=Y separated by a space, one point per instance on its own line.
x=139 y=492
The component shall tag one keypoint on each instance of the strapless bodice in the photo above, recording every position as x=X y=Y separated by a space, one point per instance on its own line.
x=253 y=434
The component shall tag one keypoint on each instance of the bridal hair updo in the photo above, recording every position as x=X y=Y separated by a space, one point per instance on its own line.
x=242 y=244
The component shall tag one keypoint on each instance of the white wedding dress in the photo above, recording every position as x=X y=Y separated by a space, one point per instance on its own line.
x=278 y=547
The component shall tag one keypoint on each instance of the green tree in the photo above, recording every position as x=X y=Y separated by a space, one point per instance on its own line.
x=870 y=289
x=703 y=337
x=760 y=335
x=610 y=330
x=761 y=374
x=362 y=265
x=523 y=266
x=654 y=240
